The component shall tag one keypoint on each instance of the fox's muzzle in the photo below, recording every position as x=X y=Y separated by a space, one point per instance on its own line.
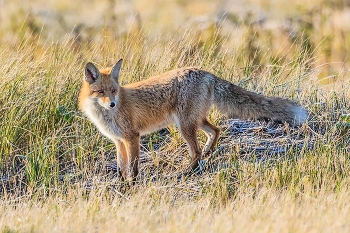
x=107 y=104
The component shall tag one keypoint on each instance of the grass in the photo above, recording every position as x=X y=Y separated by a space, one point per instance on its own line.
x=57 y=169
x=266 y=211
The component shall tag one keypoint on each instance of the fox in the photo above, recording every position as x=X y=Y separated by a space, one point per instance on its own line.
x=181 y=97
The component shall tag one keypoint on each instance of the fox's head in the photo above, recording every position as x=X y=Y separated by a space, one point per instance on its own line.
x=103 y=84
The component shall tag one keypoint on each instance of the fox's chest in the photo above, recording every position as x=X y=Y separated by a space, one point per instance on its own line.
x=105 y=122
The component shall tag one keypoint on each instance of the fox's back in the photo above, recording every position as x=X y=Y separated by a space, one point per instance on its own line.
x=172 y=86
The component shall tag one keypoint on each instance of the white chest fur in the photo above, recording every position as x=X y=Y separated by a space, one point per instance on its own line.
x=103 y=119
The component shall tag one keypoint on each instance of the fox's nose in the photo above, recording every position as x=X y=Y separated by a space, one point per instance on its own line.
x=112 y=104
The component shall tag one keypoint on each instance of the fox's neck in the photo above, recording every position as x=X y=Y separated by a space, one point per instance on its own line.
x=104 y=119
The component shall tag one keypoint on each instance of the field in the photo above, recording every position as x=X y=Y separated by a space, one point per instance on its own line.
x=58 y=173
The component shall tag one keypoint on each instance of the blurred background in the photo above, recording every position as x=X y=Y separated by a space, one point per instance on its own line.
x=268 y=31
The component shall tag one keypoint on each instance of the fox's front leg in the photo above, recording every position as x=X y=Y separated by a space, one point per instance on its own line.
x=132 y=146
x=122 y=158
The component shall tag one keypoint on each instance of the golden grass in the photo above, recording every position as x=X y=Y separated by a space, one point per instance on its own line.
x=143 y=211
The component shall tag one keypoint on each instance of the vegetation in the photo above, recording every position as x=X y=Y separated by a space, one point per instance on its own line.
x=58 y=172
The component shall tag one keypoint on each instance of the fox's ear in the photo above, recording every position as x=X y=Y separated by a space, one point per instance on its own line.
x=91 y=73
x=116 y=70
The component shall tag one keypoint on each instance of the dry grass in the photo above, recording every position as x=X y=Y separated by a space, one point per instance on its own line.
x=143 y=211
x=58 y=173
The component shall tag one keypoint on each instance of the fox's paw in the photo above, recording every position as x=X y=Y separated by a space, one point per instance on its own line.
x=195 y=171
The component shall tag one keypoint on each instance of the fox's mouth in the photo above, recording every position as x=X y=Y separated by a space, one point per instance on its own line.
x=108 y=108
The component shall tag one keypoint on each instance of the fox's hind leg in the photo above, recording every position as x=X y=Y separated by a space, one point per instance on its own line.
x=189 y=133
x=212 y=133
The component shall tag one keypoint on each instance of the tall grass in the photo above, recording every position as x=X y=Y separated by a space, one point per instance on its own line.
x=54 y=163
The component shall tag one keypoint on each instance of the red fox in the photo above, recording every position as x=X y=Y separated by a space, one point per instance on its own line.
x=182 y=97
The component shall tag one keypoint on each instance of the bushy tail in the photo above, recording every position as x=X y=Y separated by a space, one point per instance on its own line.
x=239 y=103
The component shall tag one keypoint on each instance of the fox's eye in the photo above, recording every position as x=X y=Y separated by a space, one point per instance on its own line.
x=100 y=91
